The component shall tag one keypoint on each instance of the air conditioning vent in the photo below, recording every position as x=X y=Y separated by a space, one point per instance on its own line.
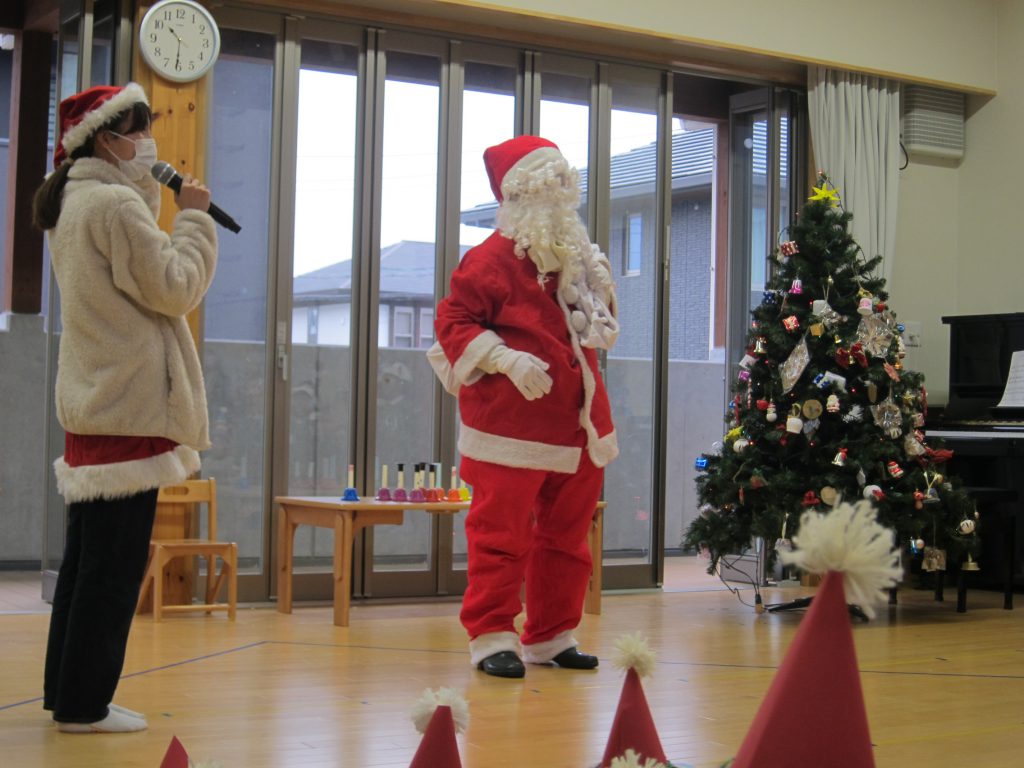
x=933 y=122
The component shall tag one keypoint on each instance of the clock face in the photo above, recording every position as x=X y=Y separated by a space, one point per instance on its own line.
x=179 y=40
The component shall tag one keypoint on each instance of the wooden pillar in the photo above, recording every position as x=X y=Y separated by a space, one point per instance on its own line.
x=30 y=104
x=180 y=134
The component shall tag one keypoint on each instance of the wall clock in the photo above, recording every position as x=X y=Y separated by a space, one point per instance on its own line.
x=179 y=40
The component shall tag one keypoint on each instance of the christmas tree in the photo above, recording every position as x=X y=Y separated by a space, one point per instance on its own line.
x=823 y=410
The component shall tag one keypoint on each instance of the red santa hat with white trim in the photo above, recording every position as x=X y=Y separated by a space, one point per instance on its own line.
x=506 y=161
x=813 y=713
x=438 y=715
x=81 y=115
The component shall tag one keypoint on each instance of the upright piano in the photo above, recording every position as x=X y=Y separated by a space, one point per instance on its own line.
x=987 y=442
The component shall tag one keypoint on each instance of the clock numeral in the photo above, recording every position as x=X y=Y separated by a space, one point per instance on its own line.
x=177 y=65
x=152 y=37
x=180 y=13
x=191 y=65
x=158 y=24
x=206 y=42
x=200 y=55
x=202 y=28
x=167 y=61
x=156 y=51
x=167 y=16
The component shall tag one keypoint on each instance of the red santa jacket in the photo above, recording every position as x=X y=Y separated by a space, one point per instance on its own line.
x=496 y=298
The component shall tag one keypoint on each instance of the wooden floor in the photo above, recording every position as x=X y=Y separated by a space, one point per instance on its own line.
x=271 y=690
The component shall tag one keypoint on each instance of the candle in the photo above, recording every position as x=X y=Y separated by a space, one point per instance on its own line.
x=351 y=475
x=437 y=475
x=384 y=476
x=454 y=475
x=401 y=475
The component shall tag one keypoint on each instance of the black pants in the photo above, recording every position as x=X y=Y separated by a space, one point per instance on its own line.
x=97 y=589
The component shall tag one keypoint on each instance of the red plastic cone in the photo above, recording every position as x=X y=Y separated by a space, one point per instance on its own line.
x=633 y=727
x=176 y=756
x=813 y=713
x=438 y=748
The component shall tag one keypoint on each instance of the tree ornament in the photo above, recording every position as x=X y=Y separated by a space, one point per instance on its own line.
x=840 y=459
x=812 y=409
x=747 y=361
x=918 y=500
x=794 y=423
x=810 y=499
x=826 y=192
x=875 y=335
x=816 y=329
x=872 y=391
x=895 y=470
x=796 y=287
x=830 y=495
x=791 y=323
x=762 y=404
x=873 y=492
x=919 y=544
x=865 y=306
x=855 y=414
x=789 y=248
x=967 y=526
x=740 y=445
x=832 y=404
x=760 y=345
x=793 y=368
x=888 y=417
x=770 y=414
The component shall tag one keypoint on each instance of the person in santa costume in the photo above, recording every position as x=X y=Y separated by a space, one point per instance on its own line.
x=517 y=340
x=129 y=392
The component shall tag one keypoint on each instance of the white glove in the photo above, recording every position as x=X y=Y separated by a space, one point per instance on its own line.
x=525 y=371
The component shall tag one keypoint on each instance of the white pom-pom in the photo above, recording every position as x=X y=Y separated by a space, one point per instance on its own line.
x=632 y=652
x=848 y=539
x=632 y=760
x=431 y=700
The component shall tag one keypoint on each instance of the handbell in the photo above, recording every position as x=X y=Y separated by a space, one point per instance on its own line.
x=969 y=564
x=759 y=346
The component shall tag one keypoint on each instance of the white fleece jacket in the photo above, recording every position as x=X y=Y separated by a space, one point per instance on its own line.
x=127 y=364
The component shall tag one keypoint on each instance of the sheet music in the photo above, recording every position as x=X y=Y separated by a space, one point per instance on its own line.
x=1013 y=393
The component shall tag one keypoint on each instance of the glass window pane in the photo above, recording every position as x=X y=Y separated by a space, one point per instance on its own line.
x=235 y=312
x=565 y=120
x=405 y=380
x=630 y=370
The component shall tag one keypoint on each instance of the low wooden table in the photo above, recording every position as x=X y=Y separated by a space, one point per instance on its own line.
x=347 y=518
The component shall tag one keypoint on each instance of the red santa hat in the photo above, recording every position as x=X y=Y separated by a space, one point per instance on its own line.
x=520 y=153
x=438 y=715
x=633 y=728
x=176 y=756
x=81 y=115
x=813 y=713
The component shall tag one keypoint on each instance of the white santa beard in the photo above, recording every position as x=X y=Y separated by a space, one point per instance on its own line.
x=537 y=224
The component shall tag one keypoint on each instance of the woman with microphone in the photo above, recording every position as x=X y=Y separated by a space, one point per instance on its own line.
x=129 y=393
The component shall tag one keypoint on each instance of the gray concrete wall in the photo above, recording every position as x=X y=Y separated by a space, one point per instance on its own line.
x=319 y=439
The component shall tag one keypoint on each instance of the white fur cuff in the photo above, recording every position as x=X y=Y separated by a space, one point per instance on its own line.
x=541 y=653
x=125 y=478
x=482 y=646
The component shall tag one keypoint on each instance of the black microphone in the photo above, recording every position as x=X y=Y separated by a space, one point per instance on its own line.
x=166 y=175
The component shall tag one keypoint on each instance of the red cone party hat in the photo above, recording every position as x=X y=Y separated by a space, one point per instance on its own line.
x=813 y=713
x=438 y=715
x=176 y=756
x=633 y=727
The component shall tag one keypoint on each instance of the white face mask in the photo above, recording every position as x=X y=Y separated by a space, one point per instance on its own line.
x=145 y=157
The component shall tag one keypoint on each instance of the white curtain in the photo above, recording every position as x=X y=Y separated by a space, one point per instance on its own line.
x=855 y=129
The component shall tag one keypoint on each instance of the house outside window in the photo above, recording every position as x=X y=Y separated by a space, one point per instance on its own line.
x=426 y=327
x=404 y=328
x=634 y=245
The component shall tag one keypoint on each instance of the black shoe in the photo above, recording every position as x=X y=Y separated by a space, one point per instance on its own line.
x=571 y=658
x=503 y=664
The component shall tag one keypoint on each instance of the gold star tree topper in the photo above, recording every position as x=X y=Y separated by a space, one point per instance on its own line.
x=826 y=192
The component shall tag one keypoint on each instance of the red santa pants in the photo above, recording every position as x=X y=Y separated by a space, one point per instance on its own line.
x=533 y=525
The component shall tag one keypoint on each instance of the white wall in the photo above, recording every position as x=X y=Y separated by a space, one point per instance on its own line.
x=941 y=41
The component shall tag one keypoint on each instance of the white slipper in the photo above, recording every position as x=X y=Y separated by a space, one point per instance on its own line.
x=125 y=711
x=114 y=722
